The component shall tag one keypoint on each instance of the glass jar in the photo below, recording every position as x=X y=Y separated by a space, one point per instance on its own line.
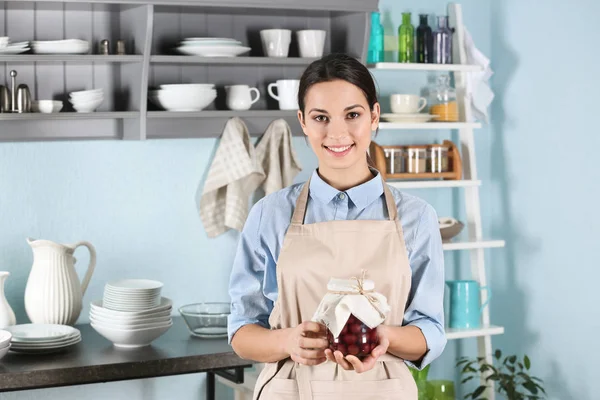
x=394 y=161
x=438 y=159
x=416 y=160
x=356 y=339
x=443 y=101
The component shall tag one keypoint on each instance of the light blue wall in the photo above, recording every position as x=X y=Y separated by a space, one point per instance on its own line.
x=545 y=181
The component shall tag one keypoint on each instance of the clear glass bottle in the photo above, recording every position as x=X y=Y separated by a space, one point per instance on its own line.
x=406 y=41
x=443 y=42
x=424 y=41
x=443 y=101
x=375 y=53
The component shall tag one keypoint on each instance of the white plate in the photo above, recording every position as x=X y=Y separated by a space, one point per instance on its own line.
x=209 y=39
x=14 y=50
x=165 y=304
x=135 y=285
x=46 y=342
x=46 y=345
x=61 y=49
x=39 y=332
x=421 y=117
x=46 y=349
x=5 y=337
x=213 y=51
x=210 y=43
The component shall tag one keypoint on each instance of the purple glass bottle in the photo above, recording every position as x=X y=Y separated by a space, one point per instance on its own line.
x=442 y=42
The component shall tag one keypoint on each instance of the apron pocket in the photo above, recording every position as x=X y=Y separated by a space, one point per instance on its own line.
x=284 y=389
x=358 y=390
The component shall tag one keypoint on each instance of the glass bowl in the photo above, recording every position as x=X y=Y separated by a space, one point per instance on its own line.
x=206 y=320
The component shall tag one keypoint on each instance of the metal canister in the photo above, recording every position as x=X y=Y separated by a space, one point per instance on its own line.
x=5 y=100
x=104 y=47
x=121 y=47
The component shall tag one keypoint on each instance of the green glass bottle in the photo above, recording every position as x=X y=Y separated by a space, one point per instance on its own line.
x=406 y=39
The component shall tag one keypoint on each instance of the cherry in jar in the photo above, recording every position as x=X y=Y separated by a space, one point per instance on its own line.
x=356 y=339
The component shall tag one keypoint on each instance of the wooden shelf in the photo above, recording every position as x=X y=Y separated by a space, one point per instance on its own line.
x=472 y=245
x=470 y=333
x=429 y=125
x=69 y=115
x=72 y=58
x=425 y=67
x=433 y=184
x=179 y=59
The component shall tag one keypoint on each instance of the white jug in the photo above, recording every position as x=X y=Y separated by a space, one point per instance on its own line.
x=53 y=294
x=7 y=316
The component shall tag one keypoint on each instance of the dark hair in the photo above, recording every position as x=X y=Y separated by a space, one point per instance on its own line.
x=343 y=67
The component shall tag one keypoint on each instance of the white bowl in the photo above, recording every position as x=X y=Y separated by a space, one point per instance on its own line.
x=130 y=321
x=112 y=316
x=3 y=351
x=130 y=338
x=46 y=106
x=4 y=41
x=129 y=326
x=86 y=92
x=5 y=337
x=166 y=304
x=88 y=106
x=173 y=101
x=187 y=86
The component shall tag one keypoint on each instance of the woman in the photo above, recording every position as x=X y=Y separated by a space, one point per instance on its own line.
x=343 y=220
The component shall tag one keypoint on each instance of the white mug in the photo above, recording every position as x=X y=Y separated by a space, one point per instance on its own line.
x=311 y=42
x=407 y=103
x=276 y=42
x=287 y=93
x=239 y=97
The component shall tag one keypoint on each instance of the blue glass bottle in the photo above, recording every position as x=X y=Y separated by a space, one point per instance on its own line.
x=375 y=52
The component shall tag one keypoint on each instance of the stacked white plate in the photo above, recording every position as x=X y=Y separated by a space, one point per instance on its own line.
x=131 y=329
x=69 y=46
x=6 y=47
x=86 y=101
x=408 y=118
x=184 y=97
x=5 y=337
x=212 y=47
x=132 y=295
x=42 y=338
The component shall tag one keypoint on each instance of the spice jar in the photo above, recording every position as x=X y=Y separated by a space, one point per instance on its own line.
x=443 y=102
x=438 y=159
x=416 y=160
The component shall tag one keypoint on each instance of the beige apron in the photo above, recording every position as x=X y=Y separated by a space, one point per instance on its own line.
x=310 y=256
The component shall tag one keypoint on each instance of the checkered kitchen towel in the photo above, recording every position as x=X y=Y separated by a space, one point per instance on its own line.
x=275 y=153
x=234 y=175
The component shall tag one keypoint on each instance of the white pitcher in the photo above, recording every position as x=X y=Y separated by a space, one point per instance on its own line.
x=7 y=316
x=53 y=293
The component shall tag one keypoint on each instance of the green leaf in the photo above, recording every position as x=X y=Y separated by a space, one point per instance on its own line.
x=484 y=368
x=512 y=359
x=520 y=365
x=527 y=362
x=537 y=379
x=531 y=387
x=492 y=377
x=478 y=391
x=461 y=362
x=498 y=354
x=467 y=379
x=510 y=368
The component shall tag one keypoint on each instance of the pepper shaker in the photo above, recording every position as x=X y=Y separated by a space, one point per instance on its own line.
x=121 y=48
x=104 y=47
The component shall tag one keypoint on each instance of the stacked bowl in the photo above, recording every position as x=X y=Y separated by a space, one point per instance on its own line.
x=5 y=337
x=132 y=313
x=184 y=96
x=86 y=101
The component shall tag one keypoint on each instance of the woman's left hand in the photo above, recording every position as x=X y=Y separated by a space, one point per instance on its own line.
x=353 y=363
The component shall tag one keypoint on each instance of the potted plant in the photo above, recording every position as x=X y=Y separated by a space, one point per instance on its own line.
x=510 y=375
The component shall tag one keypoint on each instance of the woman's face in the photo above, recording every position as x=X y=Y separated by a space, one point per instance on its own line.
x=338 y=123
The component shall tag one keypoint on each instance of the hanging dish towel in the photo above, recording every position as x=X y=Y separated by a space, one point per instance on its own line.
x=233 y=176
x=478 y=82
x=276 y=155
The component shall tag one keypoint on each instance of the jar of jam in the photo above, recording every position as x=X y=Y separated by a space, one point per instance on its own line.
x=355 y=339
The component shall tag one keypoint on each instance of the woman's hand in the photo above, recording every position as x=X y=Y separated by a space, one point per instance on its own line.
x=306 y=343
x=353 y=363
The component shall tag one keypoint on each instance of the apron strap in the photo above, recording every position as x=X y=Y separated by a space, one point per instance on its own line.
x=300 y=210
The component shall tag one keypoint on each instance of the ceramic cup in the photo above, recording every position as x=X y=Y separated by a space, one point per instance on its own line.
x=465 y=304
x=407 y=103
x=311 y=42
x=276 y=42
x=239 y=97
x=287 y=93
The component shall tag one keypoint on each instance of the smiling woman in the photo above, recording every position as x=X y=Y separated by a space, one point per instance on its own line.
x=344 y=221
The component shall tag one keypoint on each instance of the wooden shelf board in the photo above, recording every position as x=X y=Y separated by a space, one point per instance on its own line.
x=429 y=125
x=69 y=115
x=75 y=58
x=425 y=67
x=433 y=184
x=470 y=333
x=183 y=59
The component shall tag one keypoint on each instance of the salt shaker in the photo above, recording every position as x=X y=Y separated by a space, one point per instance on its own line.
x=121 y=47
x=105 y=47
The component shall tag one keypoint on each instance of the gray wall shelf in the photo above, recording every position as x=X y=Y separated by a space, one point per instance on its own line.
x=151 y=30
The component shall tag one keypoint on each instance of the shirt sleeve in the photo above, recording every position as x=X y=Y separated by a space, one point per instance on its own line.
x=425 y=307
x=248 y=302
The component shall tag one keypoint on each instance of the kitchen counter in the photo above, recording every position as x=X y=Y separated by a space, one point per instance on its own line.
x=96 y=360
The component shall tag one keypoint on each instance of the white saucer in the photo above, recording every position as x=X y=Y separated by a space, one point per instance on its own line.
x=407 y=118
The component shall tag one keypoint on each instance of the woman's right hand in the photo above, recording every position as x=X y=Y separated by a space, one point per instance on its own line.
x=307 y=342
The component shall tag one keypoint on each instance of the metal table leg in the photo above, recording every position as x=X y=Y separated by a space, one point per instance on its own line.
x=236 y=377
x=210 y=385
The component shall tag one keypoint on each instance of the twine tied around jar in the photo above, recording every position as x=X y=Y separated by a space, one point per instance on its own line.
x=359 y=289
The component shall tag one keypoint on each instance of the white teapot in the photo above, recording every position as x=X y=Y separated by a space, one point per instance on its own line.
x=53 y=294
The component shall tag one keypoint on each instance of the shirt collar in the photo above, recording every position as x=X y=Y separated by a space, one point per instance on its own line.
x=361 y=195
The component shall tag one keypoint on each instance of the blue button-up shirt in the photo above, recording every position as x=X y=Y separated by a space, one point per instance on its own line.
x=253 y=285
